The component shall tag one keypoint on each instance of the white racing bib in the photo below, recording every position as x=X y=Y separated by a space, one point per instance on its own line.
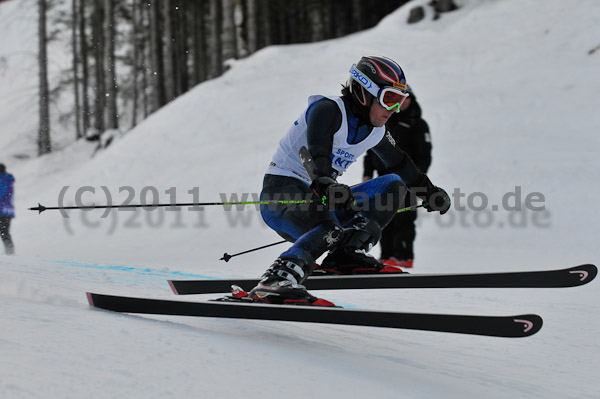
x=286 y=161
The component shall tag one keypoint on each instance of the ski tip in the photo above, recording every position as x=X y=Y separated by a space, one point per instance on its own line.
x=90 y=299
x=584 y=273
x=172 y=285
x=529 y=324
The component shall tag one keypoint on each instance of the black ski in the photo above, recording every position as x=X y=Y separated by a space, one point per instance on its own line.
x=571 y=277
x=496 y=326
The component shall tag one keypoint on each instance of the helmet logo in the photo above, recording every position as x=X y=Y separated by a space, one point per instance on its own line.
x=360 y=78
x=373 y=70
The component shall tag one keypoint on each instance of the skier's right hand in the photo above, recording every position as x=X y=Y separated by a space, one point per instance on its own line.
x=332 y=194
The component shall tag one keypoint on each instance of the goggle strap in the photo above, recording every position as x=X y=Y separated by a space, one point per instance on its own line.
x=364 y=81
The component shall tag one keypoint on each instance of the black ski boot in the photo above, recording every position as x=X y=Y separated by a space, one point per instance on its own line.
x=281 y=284
x=352 y=256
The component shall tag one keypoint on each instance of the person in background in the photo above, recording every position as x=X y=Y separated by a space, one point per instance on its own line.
x=7 y=208
x=411 y=133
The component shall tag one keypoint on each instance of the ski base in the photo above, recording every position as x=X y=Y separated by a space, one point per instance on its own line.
x=495 y=326
x=570 y=277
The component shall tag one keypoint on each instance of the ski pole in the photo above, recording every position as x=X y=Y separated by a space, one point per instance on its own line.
x=411 y=208
x=226 y=256
x=41 y=208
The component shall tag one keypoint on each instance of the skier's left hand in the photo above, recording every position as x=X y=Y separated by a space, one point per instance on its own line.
x=437 y=199
x=434 y=198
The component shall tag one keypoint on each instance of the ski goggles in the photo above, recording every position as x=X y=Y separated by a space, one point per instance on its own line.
x=389 y=97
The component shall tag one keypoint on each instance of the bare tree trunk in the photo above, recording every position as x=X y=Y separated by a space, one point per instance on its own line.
x=342 y=18
x=238 y=20
x=146 y=57
x=315 y=17
x=357 y=18
x=169 y=51
x=100 y=95
x=76 y=78
x=265 y=19
x=292 y=21
x=44 y=144
x=304 y=24
x=112 y=115
x=100 y=90
x=199 y=46
x=181 y=46
x=83 y=58
x=156 y=52
x=214 y=41
x=136 y=44
x=281 y=16
x=228 y=31
x=251 y=26
x=329 y=20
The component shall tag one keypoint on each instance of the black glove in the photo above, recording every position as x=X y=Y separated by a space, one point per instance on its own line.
x=437 y=200
x=434 y=198
x=332 y=193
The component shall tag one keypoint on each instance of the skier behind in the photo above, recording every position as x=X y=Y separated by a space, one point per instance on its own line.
x=337 y=130
x=411 y=133
x=7 y=208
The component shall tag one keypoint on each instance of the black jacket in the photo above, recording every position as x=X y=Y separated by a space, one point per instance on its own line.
x=411 y=133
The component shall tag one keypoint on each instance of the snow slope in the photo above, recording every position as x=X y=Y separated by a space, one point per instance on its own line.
x=509 y=89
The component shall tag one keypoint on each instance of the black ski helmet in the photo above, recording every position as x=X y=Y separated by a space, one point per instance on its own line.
x=380 y=70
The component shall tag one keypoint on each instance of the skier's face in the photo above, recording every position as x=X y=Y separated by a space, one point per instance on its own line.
x=379 y=115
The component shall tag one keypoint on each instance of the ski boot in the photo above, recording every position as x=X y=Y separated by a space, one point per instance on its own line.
x=281 y=284
x=392 y=261
x=352 y=256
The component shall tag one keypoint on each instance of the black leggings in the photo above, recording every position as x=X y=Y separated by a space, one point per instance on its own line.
x=305 y=224
x=9 y=247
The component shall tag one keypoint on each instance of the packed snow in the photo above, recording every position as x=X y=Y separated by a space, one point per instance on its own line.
x=510 y=91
